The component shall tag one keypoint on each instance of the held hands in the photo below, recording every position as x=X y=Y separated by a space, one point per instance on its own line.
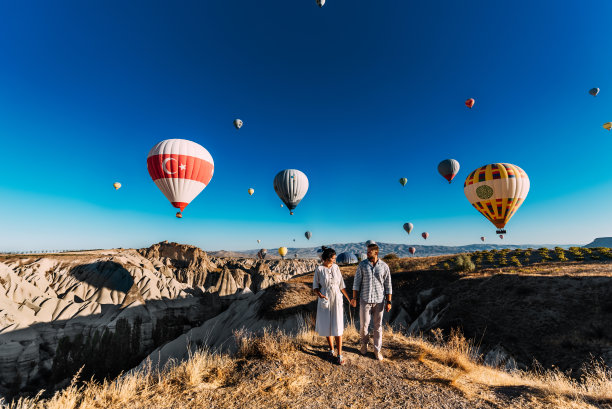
x=388 y=307
x=353 y=302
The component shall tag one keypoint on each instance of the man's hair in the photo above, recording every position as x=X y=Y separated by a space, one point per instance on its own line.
x=373 y=247
x=328 y=253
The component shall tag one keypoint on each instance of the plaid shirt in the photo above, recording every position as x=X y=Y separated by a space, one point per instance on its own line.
x=372 y=281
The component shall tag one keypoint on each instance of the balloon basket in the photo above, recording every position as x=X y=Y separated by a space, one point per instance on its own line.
x=501 y=231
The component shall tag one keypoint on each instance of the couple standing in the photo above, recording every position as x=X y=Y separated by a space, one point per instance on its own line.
x=372 y=287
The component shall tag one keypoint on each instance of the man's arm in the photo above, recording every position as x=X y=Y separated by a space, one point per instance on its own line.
x=356 y=286
x=388 y=290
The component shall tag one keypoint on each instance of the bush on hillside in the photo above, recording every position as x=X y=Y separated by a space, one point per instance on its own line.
x=464 y=263
x=390 y=256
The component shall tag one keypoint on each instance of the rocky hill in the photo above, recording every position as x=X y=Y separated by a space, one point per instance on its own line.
x=385 y=248
x=601 y=242
x=61 y=302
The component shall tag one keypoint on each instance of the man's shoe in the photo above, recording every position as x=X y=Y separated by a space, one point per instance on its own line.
x=378 y=355
x=364 y=349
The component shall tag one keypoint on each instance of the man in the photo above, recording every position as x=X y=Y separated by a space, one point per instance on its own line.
x=373 y=282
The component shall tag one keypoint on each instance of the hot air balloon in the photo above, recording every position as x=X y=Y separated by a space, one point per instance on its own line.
x=181 y=169
x=320 y=3
x=308 y=235
x=607 y=125
x=594 y=91
x=425 y=235
x=482 y=238
x=370 y=242
x=448 y=168
x=291 y=186
x=411 y=250
x=470 y=102
x=408 y=227
x=116 y=185
x=403 y=181
x=346 y=258
x=295 y=255
x=258 y=241
x=282 y=205
x=238 y=123
x=361 y=256
x=251 y=191
x=501 y=236
x=282 y=251
x=497 y=191
x=293 y=239
x=179 y=215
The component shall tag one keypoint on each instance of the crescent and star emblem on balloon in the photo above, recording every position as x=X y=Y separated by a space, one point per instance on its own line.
x=165 y=166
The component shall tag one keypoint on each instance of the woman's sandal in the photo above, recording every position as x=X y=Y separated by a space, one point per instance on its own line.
x=341 y=360
x=331 y=353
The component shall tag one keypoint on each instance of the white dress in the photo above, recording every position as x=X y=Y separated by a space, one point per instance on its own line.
x=330 y=318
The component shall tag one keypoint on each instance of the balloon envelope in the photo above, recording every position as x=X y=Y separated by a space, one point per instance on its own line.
x=448 y=168
x=497 y=191
x=607 y=125
x=238 y=123
x=116 y=185
x=501 y=236
x=346 y=258
x=308 y=235
x=251 y=191
x=411 y=250
x=594 y=91
x=282 y=251
x=408 y=227
x=470 y=102
x=482 y=238
x=258 y=241
x=181 y=169
x=403 y=181
x=320 y=3
x=291 y=186
x=425 y=235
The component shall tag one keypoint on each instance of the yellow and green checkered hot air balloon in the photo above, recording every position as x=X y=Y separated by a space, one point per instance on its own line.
x=497 y=191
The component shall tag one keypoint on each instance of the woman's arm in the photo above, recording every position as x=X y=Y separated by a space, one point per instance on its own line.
x=346 y=295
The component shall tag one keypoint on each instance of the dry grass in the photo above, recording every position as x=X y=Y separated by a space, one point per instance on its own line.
x=273 y=369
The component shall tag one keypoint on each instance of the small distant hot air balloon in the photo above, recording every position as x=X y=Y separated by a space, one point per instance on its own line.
x=282 y=205
x=470 y=102
x=179 y=215
x=293 y=239
x=295 y=255
x=408 y=227
x=594 y=91
x=425 y=235
x=116 y=185
x=411 y=250
x=497 y=191
x=181 y=169
x=607 y=125
x=448 y=168
x=482 y=238
x=258 y=241
x=291 y=186
x=308 y=235
x=238 y=123
x=282 y=251
x=501 y=236
x=403 y=181
x=320 y=3
x=251 y=191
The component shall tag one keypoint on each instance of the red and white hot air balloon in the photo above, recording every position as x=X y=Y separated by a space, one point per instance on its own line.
x=470 y=102
x=411 y=250
x=425 y=235
x=181 y=169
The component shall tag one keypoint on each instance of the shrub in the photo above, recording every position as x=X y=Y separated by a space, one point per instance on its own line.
x=390 y=256
x=503 y=261
x=515 y=261
x=446 y=266
x=464 y=263
x=491 y=258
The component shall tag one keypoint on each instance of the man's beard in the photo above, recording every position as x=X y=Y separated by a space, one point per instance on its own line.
x=372 y=258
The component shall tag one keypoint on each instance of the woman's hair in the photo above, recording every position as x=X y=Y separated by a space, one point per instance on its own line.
x=328 y=253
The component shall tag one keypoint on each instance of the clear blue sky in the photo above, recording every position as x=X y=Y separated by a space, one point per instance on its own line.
x=356 y=95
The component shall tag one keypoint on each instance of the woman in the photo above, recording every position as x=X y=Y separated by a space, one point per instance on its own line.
x=329 y=287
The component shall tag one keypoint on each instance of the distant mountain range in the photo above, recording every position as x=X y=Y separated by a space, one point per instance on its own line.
x=400 y=249
x=601 y=242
